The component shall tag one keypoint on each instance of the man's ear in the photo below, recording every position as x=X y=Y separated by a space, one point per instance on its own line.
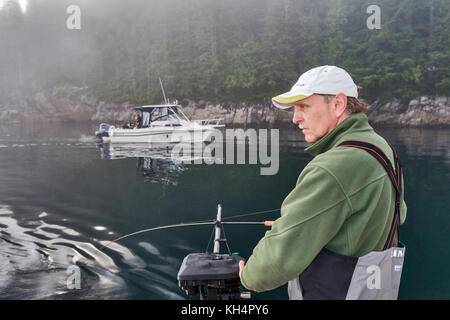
x=340 y=104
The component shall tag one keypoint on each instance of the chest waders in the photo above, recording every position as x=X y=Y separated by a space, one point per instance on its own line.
x=375 y=275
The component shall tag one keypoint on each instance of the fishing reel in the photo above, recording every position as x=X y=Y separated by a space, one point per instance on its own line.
x=214 y=276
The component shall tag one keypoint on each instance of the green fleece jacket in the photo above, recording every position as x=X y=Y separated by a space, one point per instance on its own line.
x=343 y=201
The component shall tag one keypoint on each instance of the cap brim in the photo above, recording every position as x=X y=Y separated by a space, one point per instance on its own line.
x=284 y=101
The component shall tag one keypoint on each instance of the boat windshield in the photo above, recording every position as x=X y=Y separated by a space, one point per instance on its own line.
x=180 y=113
x=168 y=114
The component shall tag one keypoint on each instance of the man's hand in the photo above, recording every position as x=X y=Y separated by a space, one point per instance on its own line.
x=241 y=267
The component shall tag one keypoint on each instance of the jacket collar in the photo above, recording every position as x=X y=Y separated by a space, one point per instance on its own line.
x=355 y=122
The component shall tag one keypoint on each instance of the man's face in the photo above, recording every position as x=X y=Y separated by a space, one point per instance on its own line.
x=315 y=117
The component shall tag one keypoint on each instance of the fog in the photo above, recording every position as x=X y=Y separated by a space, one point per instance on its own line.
x=230 y=50
x=42 y=48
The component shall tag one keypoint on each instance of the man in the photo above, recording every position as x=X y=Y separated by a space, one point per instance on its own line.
x=337 y=237
x=138 y=120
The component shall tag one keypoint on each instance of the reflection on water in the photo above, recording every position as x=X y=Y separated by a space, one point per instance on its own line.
x=110 y=151
x=35 y=260
x=421 y=142
x=159 y=170
x=165 y=162
x=155 y=163
x=35 y=263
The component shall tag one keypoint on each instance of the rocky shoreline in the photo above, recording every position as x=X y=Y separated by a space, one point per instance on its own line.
x=72 y=104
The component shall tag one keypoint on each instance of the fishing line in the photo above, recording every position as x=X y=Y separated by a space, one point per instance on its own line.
x=210 y=238
x=226 y=241
x=251 y=214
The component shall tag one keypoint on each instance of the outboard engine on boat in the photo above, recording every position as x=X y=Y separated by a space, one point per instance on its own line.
x=102 y=131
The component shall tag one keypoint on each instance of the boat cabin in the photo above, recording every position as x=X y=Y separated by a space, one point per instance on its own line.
x=161 y=115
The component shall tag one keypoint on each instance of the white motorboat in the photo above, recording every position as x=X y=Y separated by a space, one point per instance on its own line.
x=160 y=124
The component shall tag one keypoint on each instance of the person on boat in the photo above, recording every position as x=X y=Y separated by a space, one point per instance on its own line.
x=338 y=234
x=138 y=122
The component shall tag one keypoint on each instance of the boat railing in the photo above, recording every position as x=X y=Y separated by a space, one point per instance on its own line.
x=210 y=122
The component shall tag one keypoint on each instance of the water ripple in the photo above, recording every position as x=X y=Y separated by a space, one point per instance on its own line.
x=35 y=261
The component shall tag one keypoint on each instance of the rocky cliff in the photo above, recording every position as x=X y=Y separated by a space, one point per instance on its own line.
x=78 y=104
x=423 y=111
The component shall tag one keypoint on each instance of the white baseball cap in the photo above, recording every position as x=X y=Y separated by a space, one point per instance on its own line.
x=319 y=80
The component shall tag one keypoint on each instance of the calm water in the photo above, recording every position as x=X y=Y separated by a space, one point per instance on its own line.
x=62 y=198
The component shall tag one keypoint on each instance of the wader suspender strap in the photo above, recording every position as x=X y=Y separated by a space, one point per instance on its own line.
x=395 y=175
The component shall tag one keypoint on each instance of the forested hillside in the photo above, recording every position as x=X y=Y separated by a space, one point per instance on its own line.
x=231 y=50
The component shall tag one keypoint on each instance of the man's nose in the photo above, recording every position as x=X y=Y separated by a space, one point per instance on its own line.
x=298 y=117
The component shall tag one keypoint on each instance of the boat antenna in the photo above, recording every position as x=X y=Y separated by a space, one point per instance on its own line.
x=162 y=88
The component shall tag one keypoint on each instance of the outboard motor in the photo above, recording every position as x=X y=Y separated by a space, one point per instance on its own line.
x=102 y=131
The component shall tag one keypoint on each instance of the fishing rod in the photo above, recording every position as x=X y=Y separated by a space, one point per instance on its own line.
x=191 y=224
x=158 y=228
x=178 y=225
x=214 y=276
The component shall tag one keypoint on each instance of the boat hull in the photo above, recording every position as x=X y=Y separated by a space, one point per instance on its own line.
x=162 y=135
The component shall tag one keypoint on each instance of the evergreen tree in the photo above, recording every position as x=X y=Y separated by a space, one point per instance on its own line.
x=239 y=50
